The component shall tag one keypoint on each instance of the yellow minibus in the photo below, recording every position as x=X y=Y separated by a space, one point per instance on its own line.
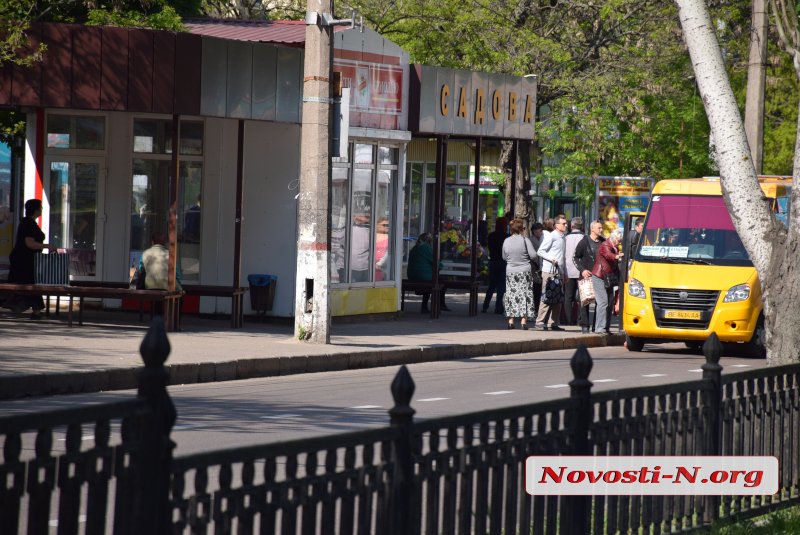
x=690 y=274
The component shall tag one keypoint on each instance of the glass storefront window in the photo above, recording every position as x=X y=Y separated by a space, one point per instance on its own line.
x=152 y=136
x=72 y=193
x=384 y=244
x=191 y=138
x=362 y=216
x=152 y=143
x=413 y=206
x=76 y=132
x=362 y=224
x=190 y=220
x=363 y=153
x=340 y=202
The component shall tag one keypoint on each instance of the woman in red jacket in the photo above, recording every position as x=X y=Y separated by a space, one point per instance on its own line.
x=605 y=276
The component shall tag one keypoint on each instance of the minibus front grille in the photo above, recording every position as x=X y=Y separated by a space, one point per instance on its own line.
x=668 y=299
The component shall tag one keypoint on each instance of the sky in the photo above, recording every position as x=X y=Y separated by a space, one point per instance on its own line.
x=5 y=153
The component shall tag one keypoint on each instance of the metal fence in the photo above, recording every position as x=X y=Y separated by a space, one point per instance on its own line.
x=457 y=474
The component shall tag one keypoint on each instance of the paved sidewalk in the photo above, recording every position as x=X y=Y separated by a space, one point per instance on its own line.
x=47 y=357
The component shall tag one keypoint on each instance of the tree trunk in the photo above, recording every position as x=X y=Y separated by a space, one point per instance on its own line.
x=773 y=249
x=522 y=204
x=756 y=79
x=521 y=201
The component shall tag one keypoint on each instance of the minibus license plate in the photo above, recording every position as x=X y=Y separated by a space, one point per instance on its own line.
x=682 y=314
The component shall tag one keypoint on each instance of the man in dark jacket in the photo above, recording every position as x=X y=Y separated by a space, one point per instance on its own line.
x=584 y=256
x=497 y=267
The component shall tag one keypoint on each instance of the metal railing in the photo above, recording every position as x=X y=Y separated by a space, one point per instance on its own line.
x=456 y=474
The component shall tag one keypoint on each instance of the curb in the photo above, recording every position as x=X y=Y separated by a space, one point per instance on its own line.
x=47 y=384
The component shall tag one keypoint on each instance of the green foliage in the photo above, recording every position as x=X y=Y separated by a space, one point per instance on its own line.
x=783 y=522
x=615 y=76
x=15 y=17
x=165 y=19
x=12 y=126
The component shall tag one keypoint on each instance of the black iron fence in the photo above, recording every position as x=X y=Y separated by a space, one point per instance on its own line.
x=458 y=474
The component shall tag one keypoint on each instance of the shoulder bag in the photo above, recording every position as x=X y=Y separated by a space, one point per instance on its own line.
x=553 y=293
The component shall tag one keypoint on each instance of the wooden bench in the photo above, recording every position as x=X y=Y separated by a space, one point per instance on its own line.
x=413 y=286
x=236 y=295
x=427 y=286
x=169 y=301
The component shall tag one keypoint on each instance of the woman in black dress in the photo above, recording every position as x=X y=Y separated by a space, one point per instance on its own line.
x=29 y=242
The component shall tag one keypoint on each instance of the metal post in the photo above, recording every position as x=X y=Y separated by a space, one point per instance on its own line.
x=401 y=494
x=174 y=188
x=151 y=512
x=575 y=517
x=473 y=268
x=712 y=399
x=312 y=312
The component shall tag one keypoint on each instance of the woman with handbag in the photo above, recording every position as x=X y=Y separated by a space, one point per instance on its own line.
x=605 y=276
x=30 y=241
x=518 y=252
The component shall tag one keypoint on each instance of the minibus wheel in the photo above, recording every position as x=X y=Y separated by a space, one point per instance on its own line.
x=634 y=344
x=757 y=346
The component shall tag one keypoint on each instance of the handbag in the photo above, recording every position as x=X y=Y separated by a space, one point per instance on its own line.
x=586 y=292
x=553 y=293
x=610 y=279
x=137 y=281
x=536 y=274
x=51 y=269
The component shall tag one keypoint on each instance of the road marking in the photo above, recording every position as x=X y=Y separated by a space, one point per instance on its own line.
x=655 y=375
x=83 y=438
x=280 y=416
x=740 y=365
x=184 y=427
x=557 y=386
x=433 y=399
x=367 y=407
x=54 y=523
x=697 y=370
x=498 y=393
x=604 y=380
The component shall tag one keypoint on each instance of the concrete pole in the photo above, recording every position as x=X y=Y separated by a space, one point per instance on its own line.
x=312 y=312
x=756 y=79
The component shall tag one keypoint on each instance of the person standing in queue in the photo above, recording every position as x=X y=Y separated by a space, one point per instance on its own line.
x=497 y=267
x=584 y=257
x=552 y=254
x=605 y=276
x=29 y=242
x=518 y=252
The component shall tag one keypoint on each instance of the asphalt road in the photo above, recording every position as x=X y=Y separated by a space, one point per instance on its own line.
x=228 y=414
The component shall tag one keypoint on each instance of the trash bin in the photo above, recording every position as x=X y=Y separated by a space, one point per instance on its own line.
x=262 y=292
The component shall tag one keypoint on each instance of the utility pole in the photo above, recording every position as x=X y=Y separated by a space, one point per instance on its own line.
x=756 y=80
x=312 y=313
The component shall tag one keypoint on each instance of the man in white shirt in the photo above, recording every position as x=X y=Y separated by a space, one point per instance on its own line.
x=573 y=273
x=552 y=254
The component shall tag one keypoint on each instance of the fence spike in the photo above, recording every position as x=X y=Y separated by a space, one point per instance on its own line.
x=581 y=363
x=403 y=388
x=155 y=347
x=712 y=349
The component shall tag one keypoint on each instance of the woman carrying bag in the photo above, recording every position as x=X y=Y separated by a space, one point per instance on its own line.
x=518 y=252
x=605 y=276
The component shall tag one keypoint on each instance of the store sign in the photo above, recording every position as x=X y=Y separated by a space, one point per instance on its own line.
x=376 y=92
x=474 y=103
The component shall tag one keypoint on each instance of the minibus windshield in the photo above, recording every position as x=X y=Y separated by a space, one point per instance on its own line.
x=691 y=229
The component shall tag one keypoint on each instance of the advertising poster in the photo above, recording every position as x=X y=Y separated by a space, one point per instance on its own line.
x=617 y=196
x=6 y=215
x=376 y=92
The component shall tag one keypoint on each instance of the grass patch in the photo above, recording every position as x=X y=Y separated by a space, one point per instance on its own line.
x=783 y=522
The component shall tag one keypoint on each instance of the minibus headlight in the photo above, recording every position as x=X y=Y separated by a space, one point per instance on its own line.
x=636 y=289
x=740 y=292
